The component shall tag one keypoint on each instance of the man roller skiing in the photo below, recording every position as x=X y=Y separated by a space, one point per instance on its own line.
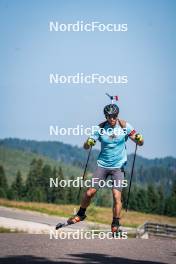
x=110 y=162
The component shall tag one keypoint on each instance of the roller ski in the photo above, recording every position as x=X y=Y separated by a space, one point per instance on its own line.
x=71 y=221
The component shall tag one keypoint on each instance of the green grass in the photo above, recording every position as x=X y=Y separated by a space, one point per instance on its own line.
x=95 y=214
x=8 y=230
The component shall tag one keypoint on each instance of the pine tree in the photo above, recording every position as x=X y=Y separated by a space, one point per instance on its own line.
x=3 y=183
x=17 y=187
x=124 y=196
x=58 y=193
x=133 y=198
x=71 y=198
x=44 y=182
x=33 y=180
x=141 y=200
x=161 y=200
x=173 y=192
x=62 y=191
x=170 y=205
x=153 y=199
x=53 y=189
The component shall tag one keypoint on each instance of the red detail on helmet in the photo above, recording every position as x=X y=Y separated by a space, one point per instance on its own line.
x=116 y=97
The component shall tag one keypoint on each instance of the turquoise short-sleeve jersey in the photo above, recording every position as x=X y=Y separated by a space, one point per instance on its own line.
x=113 y=150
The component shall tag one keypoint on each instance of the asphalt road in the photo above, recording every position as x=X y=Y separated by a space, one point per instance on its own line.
x=31 y=216
x=25 y=248
x=30 y=248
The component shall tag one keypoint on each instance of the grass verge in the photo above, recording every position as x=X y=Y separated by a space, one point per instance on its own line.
x=8 y=230
x=95 y=214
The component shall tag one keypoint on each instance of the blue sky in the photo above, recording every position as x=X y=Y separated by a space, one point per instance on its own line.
x=146 y=53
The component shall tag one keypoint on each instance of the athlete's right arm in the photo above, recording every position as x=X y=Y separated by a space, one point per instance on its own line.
x=91 y=141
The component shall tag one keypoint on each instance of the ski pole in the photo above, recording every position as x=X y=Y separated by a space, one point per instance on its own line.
x=85 y=169
x=132 y=169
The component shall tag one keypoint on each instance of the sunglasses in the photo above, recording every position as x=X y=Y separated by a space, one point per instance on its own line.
x=114 y=116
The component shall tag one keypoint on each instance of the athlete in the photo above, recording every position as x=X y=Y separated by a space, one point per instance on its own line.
x=112 y=134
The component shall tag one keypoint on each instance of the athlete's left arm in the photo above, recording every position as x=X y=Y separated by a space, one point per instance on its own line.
x=133 y=135
x=137 y=138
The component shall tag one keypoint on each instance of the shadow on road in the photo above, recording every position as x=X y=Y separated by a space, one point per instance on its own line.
x=73 y=258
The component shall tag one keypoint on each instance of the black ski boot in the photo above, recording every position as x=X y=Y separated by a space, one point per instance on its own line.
x=75 y=219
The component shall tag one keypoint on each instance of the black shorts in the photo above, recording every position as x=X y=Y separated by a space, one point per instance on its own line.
x=104 y=177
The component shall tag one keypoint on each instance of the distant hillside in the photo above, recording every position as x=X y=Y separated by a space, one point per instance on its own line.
x=76 y=156
x=158 y=171
x=53 y=149
x=14 y=160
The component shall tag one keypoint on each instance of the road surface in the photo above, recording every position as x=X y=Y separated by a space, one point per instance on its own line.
x=39 y=249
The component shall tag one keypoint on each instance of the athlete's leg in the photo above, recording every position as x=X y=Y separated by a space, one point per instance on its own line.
x=100 y=174
x=117 y=177
x=117 y=206
x=117 y=203
x=87 y=196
